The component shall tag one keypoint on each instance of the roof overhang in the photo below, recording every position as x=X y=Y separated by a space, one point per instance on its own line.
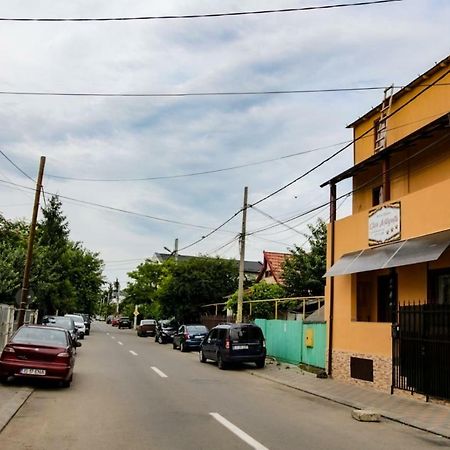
x=402 y=253
x=416 y=82
x=427 y=134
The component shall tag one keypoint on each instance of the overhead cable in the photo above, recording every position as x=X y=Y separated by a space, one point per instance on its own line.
x=191 y=16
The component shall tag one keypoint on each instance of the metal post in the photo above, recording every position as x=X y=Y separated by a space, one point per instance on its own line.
x=175 y=252
x=276 y=309
x=29 y=257
x=242 y=259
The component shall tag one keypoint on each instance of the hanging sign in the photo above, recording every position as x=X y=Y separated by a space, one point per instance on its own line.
x=384 y=224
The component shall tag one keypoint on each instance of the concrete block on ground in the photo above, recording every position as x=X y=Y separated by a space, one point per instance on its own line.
x=366 y=415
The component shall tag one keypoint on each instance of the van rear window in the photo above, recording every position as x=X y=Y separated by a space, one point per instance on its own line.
x=246 y=334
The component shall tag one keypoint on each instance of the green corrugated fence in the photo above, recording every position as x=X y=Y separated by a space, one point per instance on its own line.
x=294 y=341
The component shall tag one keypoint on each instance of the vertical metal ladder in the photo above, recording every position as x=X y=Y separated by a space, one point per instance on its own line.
x=381 y=126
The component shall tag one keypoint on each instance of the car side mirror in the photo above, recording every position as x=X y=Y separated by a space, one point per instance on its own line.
x=77 y=344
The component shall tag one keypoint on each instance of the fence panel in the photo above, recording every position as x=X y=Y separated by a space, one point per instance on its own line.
x=283 y=339
x=6 y=324
x=314 y=344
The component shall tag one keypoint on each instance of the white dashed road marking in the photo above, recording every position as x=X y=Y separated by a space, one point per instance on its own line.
x=113 y=337
x=238 y=432
x=159 y=372
x=133 y=353
x=120 y=343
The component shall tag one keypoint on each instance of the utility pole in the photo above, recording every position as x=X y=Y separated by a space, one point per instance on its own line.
x=29 y=256
x=175 y=252
x=242 y=258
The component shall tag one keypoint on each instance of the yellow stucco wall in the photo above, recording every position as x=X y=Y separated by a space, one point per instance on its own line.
x=424 y=109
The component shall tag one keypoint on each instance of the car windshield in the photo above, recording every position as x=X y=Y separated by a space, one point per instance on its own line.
x=63 y=322
x=197 y=329
x=147 y=322
x=77 y=319
x=40 y=336
x=246 y=334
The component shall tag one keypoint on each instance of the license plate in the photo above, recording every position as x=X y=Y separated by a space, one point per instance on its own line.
x=240 y=347
x=32 y=371
x=198 y=337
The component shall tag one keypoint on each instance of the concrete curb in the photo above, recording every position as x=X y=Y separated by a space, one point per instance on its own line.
x=9 y=409
x=385 y=414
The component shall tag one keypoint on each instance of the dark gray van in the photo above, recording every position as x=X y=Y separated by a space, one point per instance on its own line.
x=234 y=342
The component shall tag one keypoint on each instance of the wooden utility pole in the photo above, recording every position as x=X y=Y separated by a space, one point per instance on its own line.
x=29 y=256
x=242 y=259
x=175 y=252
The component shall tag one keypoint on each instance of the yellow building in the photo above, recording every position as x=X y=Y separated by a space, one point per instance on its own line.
x=392 y=252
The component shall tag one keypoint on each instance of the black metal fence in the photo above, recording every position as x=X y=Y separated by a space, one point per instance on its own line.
x=421 y=350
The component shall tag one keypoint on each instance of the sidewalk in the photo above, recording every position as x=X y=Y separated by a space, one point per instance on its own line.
x=11 y=399
x=429 y=417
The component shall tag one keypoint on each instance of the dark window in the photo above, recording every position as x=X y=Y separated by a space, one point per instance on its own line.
x=439 y=286
x=361 y=369
x=386 y=297
x=222 y=334
x=377 y=195
x=246 y=334
x=197 y=329
x=213 y=334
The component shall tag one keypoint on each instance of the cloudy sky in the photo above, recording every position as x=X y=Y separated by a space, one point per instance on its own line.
x=139 y=154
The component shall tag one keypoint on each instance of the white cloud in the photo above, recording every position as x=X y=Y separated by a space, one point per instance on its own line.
x=139 y=137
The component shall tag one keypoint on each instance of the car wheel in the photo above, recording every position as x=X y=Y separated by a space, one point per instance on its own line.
x=220 y=362
x=4 y=379
x=201 y=356
x=156 y=338
x=174 y=346
x=260 y=363
x=160 y=340
x=183 y=347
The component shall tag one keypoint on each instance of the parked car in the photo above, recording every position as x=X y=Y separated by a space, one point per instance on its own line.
x=115 y=321
x=124 y=322
x=189 y=337
x=87 y=322
x=235 y=342
x=165 y=329
x=63 y=322
x=146 y=327
x=109 y=319
x=79 y=323
x=37 y=351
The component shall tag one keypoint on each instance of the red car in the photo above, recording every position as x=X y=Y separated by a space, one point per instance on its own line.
x=115 y=321
x=39 y=352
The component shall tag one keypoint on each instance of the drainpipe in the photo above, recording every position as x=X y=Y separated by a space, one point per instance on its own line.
x=332 y=238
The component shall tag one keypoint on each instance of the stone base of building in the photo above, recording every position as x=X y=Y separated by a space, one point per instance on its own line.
x=381 y=369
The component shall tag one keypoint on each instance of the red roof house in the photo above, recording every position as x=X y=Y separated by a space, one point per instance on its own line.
x=272 y=270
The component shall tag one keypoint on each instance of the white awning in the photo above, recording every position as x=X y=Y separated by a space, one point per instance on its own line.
x=401 y=253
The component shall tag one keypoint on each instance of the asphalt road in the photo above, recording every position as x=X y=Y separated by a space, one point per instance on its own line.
x=132 y=393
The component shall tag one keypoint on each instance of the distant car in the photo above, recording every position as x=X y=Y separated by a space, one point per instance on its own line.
x=165 y=330
x=234 y=342
x=115 y=321
x=146 y=327
x=37 y=351
x=63 y=322
x=87 y=322
x=109 y=319
x=124 y=322
x=189 y=337
x=79 y=323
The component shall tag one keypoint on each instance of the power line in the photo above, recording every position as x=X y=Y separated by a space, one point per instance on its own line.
x=204 y=94
x=224 y=169
x=321 y=163
x=125 y=211
x=192 y=16
x=192 y=174
x=368 y=182
x=25 y=174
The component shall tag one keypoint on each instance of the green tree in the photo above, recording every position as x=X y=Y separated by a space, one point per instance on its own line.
x=195 y=282
x=85 y=276
x=303 y=271
x=13 y=244
x=259 y=291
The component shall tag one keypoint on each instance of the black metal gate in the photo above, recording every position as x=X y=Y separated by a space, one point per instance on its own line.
x=421 y=350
